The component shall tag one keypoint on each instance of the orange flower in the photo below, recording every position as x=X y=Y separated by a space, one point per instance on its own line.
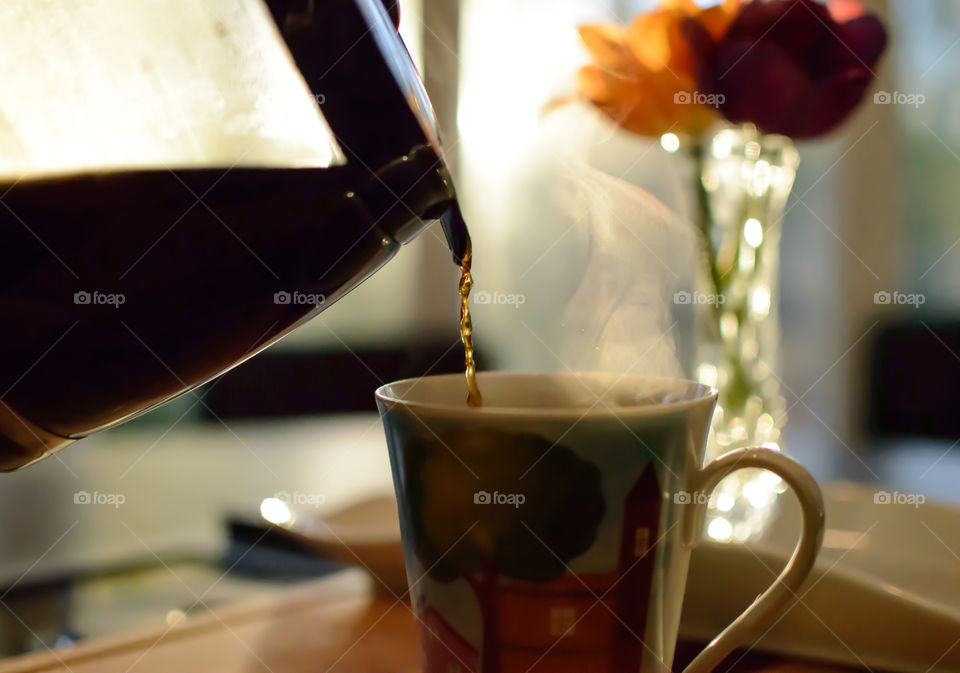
x=644 y=75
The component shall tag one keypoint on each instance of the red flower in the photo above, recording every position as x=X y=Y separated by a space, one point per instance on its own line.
x=794 y=67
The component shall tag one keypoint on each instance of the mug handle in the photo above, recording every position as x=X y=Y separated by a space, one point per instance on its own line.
x=781 y=594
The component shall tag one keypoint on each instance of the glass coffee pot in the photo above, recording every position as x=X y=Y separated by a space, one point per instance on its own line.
x=184 y=183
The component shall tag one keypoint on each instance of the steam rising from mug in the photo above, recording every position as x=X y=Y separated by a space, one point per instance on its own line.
x=589 y=271
x=621 y=316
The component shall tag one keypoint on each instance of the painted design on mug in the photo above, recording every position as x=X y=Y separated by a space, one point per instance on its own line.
x=517 y=534
x=444 y=649
x=523 y=516
x=641 y=518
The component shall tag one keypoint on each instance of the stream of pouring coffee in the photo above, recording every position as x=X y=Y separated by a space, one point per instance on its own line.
x=474 y=399
x=459 y=239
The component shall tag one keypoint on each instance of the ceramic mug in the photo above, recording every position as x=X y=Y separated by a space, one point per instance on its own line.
x=550 y=530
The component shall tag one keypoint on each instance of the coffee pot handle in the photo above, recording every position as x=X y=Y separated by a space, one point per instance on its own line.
x=782 y=594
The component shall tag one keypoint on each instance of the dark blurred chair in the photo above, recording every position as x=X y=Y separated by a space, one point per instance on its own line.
x=914 y=383
x=290 y=383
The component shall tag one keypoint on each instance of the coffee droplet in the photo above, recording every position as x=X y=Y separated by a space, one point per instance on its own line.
x=474 y=399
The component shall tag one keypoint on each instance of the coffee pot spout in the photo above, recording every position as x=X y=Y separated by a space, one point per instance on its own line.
x=455 y=229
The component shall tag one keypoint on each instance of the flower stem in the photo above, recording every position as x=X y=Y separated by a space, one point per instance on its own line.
x=705 y=225
x=737 y=388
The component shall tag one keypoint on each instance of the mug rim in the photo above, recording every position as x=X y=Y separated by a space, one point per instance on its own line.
x=704 y=395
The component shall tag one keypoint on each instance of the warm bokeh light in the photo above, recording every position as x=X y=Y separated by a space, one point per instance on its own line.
x=175 y=618
x=670 y=142
x=753 y=232
x=276 y=511
x=720 y=529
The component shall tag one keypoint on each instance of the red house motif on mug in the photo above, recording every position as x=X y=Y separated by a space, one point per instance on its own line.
x=577 y=623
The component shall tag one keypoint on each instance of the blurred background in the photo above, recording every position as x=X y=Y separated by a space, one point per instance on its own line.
x=873 y=209
x=870 y=387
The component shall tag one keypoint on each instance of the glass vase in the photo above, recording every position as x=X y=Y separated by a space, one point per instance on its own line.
x=742 y=181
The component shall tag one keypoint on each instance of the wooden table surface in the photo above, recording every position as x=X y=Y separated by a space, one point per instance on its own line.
x=335 y=625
